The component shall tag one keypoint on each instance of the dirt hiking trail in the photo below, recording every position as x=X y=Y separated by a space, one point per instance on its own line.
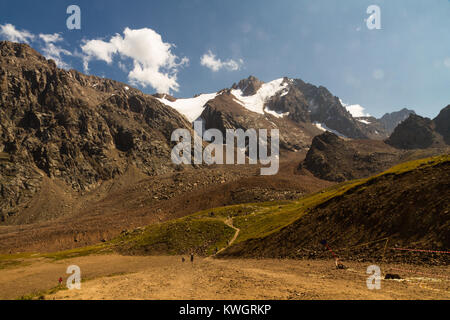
x=229 y=222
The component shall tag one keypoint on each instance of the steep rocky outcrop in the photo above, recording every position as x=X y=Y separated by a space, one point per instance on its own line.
x=334 y=159
x=249 y=86
x=415 y=132
x=76 y=128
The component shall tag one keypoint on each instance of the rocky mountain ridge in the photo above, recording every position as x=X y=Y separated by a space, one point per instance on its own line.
x=77 y=128
x=83 y=130
x=288 y=101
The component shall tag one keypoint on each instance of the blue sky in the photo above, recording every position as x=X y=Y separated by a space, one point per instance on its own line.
x=324 y=42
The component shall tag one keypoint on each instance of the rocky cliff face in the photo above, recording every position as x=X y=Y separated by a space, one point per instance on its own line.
x=327 y=109
x=249 y=86
x=291 y=101
x=77 y=128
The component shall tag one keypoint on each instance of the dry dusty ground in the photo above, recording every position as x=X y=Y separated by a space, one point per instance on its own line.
x=120 y=277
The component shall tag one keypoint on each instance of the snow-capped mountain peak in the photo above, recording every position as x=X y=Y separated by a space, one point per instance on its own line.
x=192 y=108
x=256 y=103
x=279 y=103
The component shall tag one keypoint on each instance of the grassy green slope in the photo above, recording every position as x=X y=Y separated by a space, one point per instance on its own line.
x=191 y=234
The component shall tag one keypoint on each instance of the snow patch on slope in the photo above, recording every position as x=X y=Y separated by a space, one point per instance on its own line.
x=363 y=121
x=284 y=93
x=191 y=108
x=323 y=127
x=276 y=114
x=255 y=103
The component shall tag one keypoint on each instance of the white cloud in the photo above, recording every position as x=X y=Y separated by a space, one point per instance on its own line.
x=356 y=110
x=51 y=38
x=98 y=49
x=154 y=63
x=54 y=52
x=210 y=61
x=12 y=34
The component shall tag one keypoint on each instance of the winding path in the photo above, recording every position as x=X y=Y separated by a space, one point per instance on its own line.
x=229 y=222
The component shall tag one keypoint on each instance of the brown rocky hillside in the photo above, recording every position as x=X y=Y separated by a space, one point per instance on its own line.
x=410 y=207
x=80 y=129
x=418 y=132
x=335 y=159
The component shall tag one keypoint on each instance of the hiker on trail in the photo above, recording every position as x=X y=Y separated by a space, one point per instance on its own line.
x=182 y=259
x=217 y=250
x=60 y=280
x=192 y=258
x=339 y=264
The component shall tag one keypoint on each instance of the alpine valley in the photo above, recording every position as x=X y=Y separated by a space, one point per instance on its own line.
x=86 y=170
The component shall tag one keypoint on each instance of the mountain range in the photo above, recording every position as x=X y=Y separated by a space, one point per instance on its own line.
x=288 y=104
x=75 y=147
